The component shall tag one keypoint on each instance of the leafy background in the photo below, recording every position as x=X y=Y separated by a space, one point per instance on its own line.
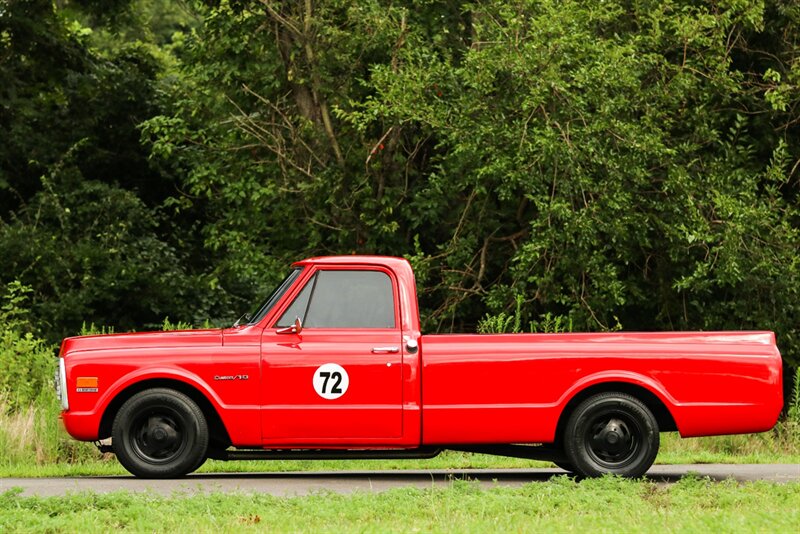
x=617 y=164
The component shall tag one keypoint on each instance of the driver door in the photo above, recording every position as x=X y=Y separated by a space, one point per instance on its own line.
x=339 y=379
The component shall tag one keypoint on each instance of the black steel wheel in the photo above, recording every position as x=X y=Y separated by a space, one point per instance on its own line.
x=611 y=433
x=160 y=433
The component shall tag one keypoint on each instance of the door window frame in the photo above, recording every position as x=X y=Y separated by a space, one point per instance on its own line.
x=310 y=276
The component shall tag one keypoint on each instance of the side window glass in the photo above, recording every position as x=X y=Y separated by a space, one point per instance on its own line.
x=298 y=307
x=345 y=299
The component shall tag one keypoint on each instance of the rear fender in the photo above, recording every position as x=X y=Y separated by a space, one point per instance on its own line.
x=646 y=382
x=618 y=379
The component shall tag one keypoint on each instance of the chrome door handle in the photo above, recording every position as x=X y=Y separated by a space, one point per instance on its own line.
x=380 y=350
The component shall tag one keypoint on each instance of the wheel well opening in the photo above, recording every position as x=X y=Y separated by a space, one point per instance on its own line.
x=218 y=434
x=666 y=423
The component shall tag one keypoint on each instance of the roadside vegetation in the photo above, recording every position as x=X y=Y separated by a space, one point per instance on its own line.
x=562 y=504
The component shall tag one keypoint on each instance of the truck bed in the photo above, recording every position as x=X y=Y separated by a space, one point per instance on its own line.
x=513 y=387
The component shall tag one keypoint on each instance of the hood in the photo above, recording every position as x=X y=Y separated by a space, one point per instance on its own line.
x=174 y=338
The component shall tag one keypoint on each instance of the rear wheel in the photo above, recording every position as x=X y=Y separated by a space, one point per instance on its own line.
x=160 y=433
x=611 y=433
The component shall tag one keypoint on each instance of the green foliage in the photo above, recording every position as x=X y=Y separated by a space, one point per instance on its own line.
x=549 y=323
x=61 y=99
x=546 y=165
x=92 y=253
x=166 y=325
x=28 y=365
x=26 y=360
x=32 y=436
x=793 y=402
x=497 y=324
x=501 y=323
x=612 y=164
x=82 y=220
x=180 y=325
x=692 y=504
x=14 y=312
x=620 y=191
x=618 y=165
x=91 y=329
x=31 y=432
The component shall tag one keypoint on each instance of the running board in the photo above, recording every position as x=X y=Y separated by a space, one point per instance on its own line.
x=323 y=454
x=530 y=452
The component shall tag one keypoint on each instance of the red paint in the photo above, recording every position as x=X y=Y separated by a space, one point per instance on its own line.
x=456 y=389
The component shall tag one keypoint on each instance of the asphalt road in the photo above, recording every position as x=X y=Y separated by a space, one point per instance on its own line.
x=303 y=483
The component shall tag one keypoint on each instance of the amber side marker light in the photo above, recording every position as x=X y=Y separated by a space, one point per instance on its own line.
x=86 y=384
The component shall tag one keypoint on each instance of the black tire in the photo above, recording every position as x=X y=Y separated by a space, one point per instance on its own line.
x=160 y=433
x=198 y=464
x=611 y=433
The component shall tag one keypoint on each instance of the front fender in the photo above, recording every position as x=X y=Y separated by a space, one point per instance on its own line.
x=159 y=373
x=85 y=424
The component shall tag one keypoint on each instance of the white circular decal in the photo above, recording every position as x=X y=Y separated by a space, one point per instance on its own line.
x=331 y=381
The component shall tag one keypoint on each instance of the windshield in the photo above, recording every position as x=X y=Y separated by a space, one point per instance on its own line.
x=276 y=295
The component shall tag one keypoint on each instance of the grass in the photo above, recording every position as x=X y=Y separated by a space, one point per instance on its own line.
x=560 y=505
x=780 y=445
x=33 y=436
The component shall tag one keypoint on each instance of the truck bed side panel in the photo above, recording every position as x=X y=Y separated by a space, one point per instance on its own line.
x=513 y=388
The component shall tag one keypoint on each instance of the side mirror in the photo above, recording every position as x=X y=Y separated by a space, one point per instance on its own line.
x=296 y=328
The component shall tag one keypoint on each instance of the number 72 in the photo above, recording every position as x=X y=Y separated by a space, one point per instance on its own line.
x=336 y=376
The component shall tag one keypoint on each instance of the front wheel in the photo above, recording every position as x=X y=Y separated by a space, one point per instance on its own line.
x=160 y=433
x=611 y=433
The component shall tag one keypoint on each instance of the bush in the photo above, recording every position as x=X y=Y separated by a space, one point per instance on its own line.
x=503 y=322
x=27 y=361
x=30 y=431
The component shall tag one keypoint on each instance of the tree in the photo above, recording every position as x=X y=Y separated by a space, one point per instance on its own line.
x=618 y=163
x=82 y=220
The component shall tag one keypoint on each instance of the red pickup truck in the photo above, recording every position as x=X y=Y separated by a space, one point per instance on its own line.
x=333 y=365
